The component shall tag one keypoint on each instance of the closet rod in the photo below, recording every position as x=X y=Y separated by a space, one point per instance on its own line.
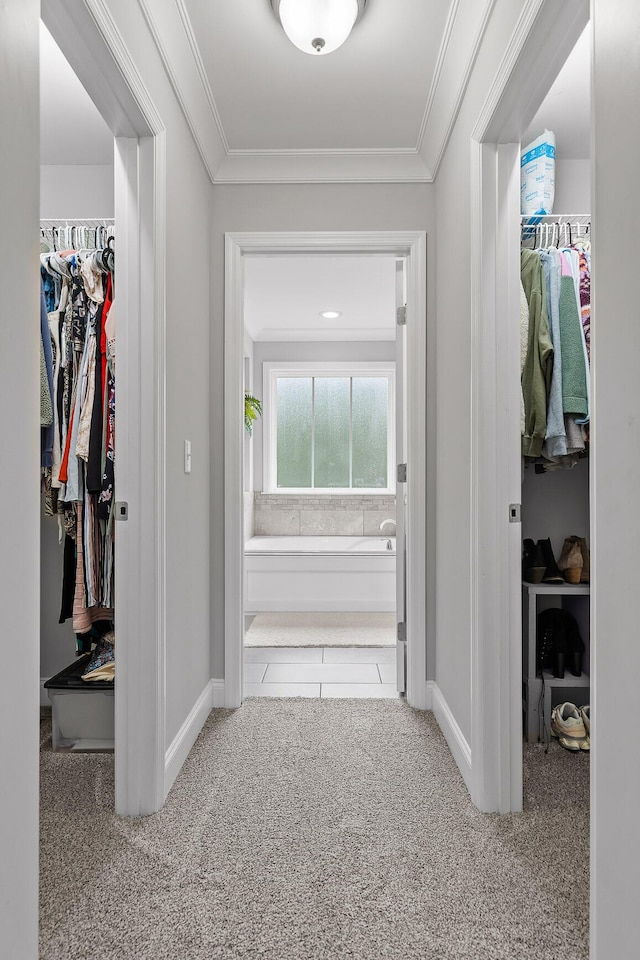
x=71 y=222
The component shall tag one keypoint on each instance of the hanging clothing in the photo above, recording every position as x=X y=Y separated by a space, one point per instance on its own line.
x=538 y=367
x=79 y=292
x=574 y=378
x=566 y=308
x=555 y=444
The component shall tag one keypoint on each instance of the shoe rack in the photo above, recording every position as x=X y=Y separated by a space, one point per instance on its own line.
x=538 y=691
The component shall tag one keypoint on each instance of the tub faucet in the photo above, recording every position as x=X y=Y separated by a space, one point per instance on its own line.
x=385 y=522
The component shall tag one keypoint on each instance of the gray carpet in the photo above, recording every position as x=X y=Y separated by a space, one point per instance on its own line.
x=315 y=830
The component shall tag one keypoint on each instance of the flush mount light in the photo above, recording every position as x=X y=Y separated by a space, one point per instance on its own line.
x=331 y=314
x=318 y=26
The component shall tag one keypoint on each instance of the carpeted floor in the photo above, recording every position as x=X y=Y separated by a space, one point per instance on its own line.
x=322 y=630
x=315 y=830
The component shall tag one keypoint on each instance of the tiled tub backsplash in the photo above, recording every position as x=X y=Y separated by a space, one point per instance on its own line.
x=322 y=516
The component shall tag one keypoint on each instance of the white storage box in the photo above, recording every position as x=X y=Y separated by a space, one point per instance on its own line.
x=82 y=713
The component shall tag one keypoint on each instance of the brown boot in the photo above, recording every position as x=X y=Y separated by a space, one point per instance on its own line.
x=570 y=561
x=585 y=576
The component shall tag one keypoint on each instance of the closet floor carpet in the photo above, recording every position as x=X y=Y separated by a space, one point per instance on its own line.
x=315 y=830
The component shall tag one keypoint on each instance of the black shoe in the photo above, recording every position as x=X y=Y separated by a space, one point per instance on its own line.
x=552 y=574
x=533 y=565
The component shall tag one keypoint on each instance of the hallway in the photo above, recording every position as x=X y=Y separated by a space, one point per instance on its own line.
x=314 y=830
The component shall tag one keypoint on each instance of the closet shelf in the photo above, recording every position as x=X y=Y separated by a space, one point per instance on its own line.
x=584 y=680
x=557 y=589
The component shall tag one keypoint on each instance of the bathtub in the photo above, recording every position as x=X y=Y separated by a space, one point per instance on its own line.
x=319 y=573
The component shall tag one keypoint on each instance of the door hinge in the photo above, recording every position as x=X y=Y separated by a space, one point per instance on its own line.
x=402 y=473
x=402 y=633
x=122 y=510
x=514 y=513
x=401 y=316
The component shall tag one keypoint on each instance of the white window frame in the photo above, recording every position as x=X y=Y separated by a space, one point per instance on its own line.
x=273 y=370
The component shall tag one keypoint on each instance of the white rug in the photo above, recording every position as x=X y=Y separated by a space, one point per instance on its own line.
x=322 y=630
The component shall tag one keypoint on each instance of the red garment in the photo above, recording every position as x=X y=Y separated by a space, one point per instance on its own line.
x=108 y=300
x=64 y=463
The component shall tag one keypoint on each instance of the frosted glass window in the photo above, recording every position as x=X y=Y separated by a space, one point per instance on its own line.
x=294 y=402
x=331 y=440
x=370 y=399
x=332 y=432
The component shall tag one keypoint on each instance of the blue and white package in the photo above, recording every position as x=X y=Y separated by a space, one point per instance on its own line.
x=538 y=176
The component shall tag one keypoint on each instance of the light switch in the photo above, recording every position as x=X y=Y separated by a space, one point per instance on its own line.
x=187 y=456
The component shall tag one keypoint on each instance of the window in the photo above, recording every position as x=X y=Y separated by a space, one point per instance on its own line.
x=329 y=427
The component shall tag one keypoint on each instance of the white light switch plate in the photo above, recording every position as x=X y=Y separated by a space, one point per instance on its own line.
x=187 y=456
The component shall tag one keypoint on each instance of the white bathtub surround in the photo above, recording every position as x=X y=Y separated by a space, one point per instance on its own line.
x=249 y=515
x=355 y=672
x=326 y=514
x=322 y=630
x=320 y=574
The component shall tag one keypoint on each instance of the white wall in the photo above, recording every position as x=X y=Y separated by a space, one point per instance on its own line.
x=285 y=351
x=76 y=191
x=336 y=207
x=573 y=186
x=453 y=299
x=556 y=504
x=187 y=386
x=615 y=837
x=19 y=478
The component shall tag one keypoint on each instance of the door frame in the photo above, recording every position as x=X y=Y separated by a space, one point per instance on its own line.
x=413 y=246
x=542 y=39
x=90 y=40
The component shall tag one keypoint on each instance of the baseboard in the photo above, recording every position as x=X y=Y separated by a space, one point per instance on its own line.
x=217 y=688
x=187 y=735
x=452 y=733
x=44 y=696
x=429 y=694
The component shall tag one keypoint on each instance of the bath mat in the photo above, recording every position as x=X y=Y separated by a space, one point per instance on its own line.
x=322 y=630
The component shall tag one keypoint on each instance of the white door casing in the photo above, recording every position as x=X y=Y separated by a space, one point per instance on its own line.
x=401 y=487
x=410 y=245
x=543 y=38
x=90 y=40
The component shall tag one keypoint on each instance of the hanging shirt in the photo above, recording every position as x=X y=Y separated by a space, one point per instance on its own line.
x=538 y=367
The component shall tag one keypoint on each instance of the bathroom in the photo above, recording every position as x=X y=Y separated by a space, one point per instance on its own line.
x=320 y=588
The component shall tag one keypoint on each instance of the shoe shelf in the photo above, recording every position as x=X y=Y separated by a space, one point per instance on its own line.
x=538 y=689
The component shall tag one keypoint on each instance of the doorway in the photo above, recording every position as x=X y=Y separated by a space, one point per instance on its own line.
x=412 y=249
x=320 y=501
x=499 y=675
x=139 y=203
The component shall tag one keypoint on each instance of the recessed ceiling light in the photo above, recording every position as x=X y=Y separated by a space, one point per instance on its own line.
x=331 y=314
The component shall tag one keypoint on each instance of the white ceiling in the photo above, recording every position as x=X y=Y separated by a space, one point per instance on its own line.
x=284 y=297
x=370 y=93
x=378 y=109
x=71 y=129
x=566 y=110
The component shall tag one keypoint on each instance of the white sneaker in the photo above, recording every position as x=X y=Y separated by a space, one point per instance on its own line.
x=585 y=713
x=568 y=726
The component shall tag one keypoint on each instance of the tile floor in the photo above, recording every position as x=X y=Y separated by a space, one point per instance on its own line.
x=350 y=672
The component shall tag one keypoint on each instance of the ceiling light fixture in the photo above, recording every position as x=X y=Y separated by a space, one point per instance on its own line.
x=331 y=314
x=318 y=26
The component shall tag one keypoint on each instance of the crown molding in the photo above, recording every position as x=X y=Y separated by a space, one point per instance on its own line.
x=173 y=36
x=464 y=32
x=322 y=334
x=323 y=166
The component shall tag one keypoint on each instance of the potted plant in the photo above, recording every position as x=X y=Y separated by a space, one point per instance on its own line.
x=252 y=410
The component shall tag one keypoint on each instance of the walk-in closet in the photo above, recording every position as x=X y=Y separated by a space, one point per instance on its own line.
x=77 y=413
x=556 y=410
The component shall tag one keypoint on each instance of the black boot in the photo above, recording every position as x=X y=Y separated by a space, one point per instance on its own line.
x=552 y=574
x=533 y=565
